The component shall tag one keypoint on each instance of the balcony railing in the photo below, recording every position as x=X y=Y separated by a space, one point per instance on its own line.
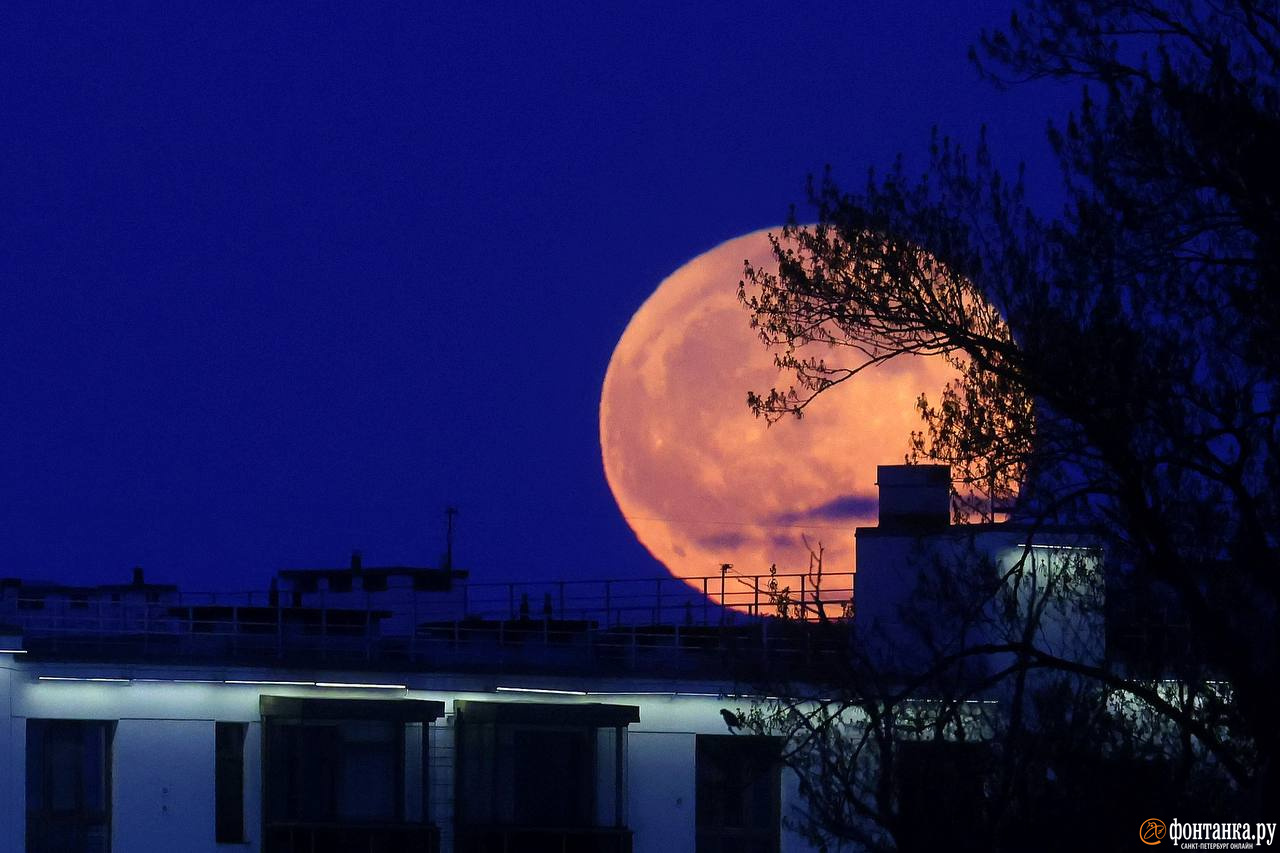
x=351 y=838
x=709 y=600
x=525 y=839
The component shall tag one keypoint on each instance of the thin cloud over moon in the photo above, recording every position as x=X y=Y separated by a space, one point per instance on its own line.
x=702 y=481
x=836 y=509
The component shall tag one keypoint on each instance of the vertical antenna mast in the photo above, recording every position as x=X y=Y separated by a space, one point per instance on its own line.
x=449 y=513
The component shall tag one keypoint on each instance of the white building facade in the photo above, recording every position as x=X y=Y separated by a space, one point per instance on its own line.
x=344 y=712
x=146 y=757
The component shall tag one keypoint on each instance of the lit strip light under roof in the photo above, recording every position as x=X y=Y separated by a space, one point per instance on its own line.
x=1039 y=547
x=13 y=651
x=270 y=683
x=177 y=681
x=672 y=693
x=241 y=681
x=540 y=690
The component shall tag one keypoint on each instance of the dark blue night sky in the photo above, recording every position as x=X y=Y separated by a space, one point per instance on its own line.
x=280 y=282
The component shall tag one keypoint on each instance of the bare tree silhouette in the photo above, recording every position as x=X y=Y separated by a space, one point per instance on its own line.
x=1118 y=374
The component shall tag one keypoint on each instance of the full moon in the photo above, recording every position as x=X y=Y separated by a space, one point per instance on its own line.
x=698 y=477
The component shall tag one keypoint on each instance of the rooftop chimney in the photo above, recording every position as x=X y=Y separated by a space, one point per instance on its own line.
x=137 y=576
x=914 y=497
x=356 y=561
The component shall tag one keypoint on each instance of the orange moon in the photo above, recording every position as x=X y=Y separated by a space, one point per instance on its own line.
x=700 y=479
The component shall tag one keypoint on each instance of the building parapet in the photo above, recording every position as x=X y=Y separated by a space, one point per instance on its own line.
x=752 y=624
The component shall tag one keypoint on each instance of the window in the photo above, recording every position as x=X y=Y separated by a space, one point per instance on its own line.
x=738 y=794
x=508 y=769
x=229 y=782
x=346 y=774
x=69 y=786
x=566 y=755
x=542 y=776
x=334 y=770
x=942 y=796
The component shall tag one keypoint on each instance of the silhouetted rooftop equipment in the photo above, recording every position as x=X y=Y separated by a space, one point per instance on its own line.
x=657 y=625
x=914 y=497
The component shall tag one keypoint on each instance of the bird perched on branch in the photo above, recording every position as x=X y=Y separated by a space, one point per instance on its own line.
x=732 y=720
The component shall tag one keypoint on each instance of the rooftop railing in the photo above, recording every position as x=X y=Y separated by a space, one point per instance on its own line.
x=612 y=623
x=710 y=600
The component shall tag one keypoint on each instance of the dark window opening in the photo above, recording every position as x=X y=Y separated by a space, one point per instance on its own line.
x=69 y=786
x=542 y=778
x=229 y=782
x=340 y=583
x=568 y=757
x=334 y=771
x=344 y=774
x=738 y=794
x=375 y=582
x=942 y=796
x=79 y=601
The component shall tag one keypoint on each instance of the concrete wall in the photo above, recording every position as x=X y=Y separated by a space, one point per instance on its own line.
x=661 y=805
x=1066 y=586
x=163 y=787
x=891 y=568
x=163 y=791
x=1065 y=567
x=13 y=734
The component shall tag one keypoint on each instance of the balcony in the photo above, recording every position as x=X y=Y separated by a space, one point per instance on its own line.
x=531 y=839
x=286 y=837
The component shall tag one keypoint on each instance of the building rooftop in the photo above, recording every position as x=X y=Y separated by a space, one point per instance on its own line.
x=387 y=618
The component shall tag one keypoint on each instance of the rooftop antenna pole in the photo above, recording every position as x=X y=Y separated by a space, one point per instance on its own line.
x=449 y=512
x=724 y=570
